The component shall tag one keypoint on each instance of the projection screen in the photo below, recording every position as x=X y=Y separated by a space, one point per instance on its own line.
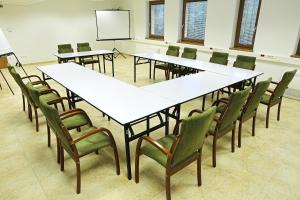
x=113 y=24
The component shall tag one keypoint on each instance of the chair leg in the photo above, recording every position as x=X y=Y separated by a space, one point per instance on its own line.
x=49 y=135
x=214 y=149
x=116 y=157
x=62 y=159
x=212 y=95
x=36 y=119
x=137 y=168
x=240 y=133
x=23 y=100
x=253 y=125
x=278 y=111
x=199 y=178
x=153 y=73
x=78 y=174
x=268 y=115
x=93 y=66
x=168 y=187
x=58 y=149
x=233 y=140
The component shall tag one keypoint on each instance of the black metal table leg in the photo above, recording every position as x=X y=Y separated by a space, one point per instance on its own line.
x=7 y=83
x=127 y=149
x=167 y=122
x=134 y=68
x=104 y=64
x=203 y=103
x=150 y=69
x=112 y=65
x=99 y=63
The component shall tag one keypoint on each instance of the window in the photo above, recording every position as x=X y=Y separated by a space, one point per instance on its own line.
x=156 y=19
x=193 y=20
x=247 y=23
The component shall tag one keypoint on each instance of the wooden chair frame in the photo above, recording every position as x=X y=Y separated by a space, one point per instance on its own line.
x=170 y=154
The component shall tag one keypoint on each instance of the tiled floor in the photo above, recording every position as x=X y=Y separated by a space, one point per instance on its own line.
x=266 y=167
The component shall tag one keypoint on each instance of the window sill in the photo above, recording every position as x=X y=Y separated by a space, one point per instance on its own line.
x=295 y=56
x=241 y=49
x=155 y=38
x=192 y=42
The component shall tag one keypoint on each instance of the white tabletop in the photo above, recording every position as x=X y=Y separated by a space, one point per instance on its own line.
x=201 y=65
x=121 y=101
x=83 y=54
x=186 y=88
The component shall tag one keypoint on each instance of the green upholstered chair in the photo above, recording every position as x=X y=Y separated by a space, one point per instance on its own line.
x=245 y=62
x=88 y=140
x=228 y=111
x=70 y=122
x=39 y=85
x=90 y=60
x=189 y=53
x=274 y=97
x=250 y=108
x=65 y=48
x=172 y=51
x=219 y=58
x=179 y=149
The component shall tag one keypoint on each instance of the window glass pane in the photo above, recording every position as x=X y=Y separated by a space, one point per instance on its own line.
x=195 y=18
x=157 y=19
x=248 y=22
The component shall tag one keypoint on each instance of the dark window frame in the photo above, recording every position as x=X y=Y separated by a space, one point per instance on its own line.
x=298 y=49
x=184 y=39
x=152 y=3
x=239 y=24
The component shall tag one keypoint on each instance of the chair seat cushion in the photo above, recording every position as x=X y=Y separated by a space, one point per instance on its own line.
x=41 y=88
x=48 y=97
x=91 y=143
x=152 y=152
x=74 y=121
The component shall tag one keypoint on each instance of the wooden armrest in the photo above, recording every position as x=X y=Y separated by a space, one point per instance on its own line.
x=40 y=83
x=74 y=112
x=32 y=76
x=157 y=145
x=87 y=134
x=58 y=100
x=194 y=111
x=49 y=91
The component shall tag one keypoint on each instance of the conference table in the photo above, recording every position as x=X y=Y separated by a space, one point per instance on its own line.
x=129 y=105
x=147 y=58
x=106 y=55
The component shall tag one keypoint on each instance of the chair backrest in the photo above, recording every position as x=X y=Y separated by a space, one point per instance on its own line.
x=245 y=62
x=192 y=134
x=190 y=53
x=283 y=84
x=65 y=48
x=233 y=109
x=33 y=93
x=18 y=80
x=219 y=58
x=255 y=97
x=173 y=51
x=83 y=47
x=56 y=125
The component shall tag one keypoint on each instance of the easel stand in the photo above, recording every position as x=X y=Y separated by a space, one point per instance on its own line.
x=17 y=64
x=117 y=52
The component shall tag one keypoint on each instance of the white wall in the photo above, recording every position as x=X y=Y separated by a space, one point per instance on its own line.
x=35 y=30
x=277 y=34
